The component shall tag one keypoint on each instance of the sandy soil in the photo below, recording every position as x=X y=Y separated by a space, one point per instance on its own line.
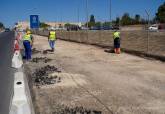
x=100 y=81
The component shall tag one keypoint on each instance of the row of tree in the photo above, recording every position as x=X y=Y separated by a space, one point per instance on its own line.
x=160 y=15
x=1 y=25
x=126 y=19
x=44 y=25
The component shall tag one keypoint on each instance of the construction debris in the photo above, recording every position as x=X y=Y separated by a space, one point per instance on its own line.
x=46 y=51
x=41 y=59
x=75 y=110
x=34 y=51
x=41 y=76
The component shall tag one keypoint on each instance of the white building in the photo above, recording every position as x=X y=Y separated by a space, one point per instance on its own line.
x=26 y=24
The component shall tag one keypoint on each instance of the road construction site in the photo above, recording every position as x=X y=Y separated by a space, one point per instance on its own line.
x=84 y=79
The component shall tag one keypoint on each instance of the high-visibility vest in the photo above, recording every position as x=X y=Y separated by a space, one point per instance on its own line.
x=116 y=35
x=52 y=35
x=27 y=37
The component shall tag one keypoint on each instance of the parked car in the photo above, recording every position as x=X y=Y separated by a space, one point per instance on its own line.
x=7 y=29
x=153 y=27
x=84 y=28
x=115 y=27
x=73 y=28
x=95 y=28
x=107 y=28
x=51 y=28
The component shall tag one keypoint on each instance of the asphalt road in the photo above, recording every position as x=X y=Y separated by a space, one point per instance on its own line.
x=6 y=72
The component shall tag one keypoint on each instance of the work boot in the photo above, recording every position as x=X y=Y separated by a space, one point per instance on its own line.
x=52 y=50
x=118 y=50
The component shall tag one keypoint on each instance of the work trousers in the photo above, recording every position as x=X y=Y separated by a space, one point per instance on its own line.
x=117 y=43
x=28 y=50
x=51 y=43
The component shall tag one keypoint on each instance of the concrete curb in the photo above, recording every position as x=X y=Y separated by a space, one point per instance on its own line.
x=22 y=101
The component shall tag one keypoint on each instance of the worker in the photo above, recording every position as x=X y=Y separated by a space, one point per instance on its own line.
x=51 y=40
x=27 y=42
x=116 y=36
x=31 y=36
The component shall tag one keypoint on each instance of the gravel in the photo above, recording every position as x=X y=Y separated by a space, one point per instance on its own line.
x=41 y=76
x=41 y=59
x=75 y=110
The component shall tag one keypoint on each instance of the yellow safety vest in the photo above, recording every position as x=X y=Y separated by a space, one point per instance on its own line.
x=52 y=35
x=116 y=35
x=27 y=37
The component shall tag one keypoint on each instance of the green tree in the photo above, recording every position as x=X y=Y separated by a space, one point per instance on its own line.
x=117 y=22
x=107 y=24
x=92 y=18
x=137 y=19
x=126 y=19
x=44 y=25
x=1 y=25
x=98 y=24
x=143 y=21
x=160 y=15
x=92 y=21
x=67 y=25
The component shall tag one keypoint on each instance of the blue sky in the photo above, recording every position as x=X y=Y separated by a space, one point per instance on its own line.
x=12 y=11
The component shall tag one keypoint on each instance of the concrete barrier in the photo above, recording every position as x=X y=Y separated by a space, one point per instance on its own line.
x=22 y=101
x=131 y=41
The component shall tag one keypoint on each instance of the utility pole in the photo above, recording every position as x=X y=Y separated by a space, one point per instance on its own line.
x=87 y=15
x=78 y=13
x=110 y=11
x=148 y=19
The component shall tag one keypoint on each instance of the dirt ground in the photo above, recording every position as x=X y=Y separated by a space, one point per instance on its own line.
x=98 y=82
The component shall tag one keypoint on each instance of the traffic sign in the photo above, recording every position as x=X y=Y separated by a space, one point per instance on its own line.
x=34 y=21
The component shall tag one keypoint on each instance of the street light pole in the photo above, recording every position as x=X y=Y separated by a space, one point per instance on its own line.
x=87 y=12
x=148 y=18
x=110 y=11
x=78 y=14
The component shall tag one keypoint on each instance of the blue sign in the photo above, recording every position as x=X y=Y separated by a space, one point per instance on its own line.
x=34 y=21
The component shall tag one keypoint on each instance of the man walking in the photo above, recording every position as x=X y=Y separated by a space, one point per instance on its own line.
x=51 y=39
x=27 y=42
x=116 y=36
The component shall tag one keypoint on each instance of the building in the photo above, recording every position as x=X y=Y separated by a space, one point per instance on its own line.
x=26 y=24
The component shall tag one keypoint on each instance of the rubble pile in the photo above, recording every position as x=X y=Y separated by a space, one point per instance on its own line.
x=75 y=110
x=41 y=76
x=34 y=51
x=41 y=59
x=46 y=51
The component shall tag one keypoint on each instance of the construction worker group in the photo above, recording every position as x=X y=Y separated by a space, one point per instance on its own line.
x=28 y=43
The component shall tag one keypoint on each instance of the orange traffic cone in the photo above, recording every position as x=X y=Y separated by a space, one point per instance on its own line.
x=17 y=59
x=16 y=46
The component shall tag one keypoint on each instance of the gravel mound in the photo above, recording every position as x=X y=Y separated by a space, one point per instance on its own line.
x=41 y=76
